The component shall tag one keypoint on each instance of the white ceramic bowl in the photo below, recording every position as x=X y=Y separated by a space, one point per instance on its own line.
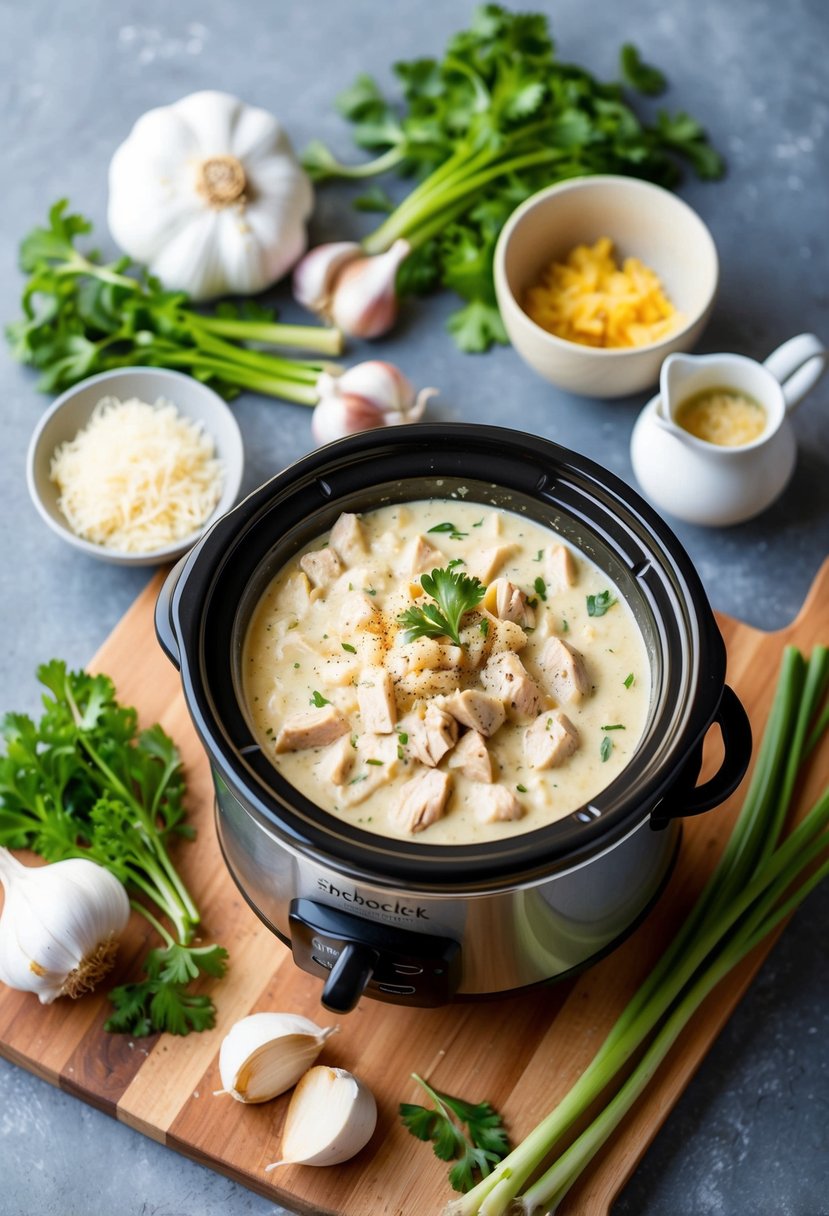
x=71 y=412
x=643 y=221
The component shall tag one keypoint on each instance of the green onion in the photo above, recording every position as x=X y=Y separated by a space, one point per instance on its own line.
x=751 y=891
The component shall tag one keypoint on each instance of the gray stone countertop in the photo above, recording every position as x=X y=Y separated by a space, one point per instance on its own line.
x=750 y=1133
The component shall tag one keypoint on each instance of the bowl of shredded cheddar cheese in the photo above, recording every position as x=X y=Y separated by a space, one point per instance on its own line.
x=133 y=465
x=599 y=278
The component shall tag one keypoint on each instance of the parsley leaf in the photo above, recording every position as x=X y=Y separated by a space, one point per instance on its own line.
x=454 y=595
x=454 y=533
x=628 y=680
x=640 y=75
x=318 y=699
x=475 y=1154
x=606 y=748
x=597 y=605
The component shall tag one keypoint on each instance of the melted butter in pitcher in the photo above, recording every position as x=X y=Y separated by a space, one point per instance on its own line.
x=723 y=417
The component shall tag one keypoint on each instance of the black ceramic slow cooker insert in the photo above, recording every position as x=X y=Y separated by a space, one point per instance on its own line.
x=406 y=921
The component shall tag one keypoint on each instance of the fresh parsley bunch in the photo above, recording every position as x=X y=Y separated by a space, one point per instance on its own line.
x=85 y=782
x=497 y=118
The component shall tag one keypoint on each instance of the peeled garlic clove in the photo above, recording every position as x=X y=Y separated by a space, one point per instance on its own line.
x=364 y=297
x=60 y=925
x=331 y=1116
x=264 y=1054
x=316 y=273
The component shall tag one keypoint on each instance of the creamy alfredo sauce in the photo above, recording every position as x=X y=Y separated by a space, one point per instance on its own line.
x=323 y=639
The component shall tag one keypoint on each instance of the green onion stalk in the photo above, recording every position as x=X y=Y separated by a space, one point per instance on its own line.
x=763 y=874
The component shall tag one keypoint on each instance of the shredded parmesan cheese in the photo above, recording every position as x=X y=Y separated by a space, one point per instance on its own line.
x=590 y=299
x=138 y=477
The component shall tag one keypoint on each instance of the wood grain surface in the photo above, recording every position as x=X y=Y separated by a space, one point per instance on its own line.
x=521 y=1053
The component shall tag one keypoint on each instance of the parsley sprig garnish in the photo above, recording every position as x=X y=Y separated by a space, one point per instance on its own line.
x=454 y=594
x=475 y=1154
x=84 y=782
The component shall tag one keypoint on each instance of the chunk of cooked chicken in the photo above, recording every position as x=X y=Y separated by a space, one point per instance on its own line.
x=339 y=671
x=423 y=685
x=424 y=654
x=482 y=711
x=376 y=764
x=484 y=635
x=420 y=557
x=563 y=671
x=296 y=594
x=313 y=728
x=431 y=736
x=337 y=761
x=422 y=800
x=375 y=694
x=509 y=603
x=487 y=562
x=471 y=757
x=508 y=679
x=358 y=611
x=495 y=802
x=322 y=566
x=560 y=567
x=550 y=740
x=348 y=539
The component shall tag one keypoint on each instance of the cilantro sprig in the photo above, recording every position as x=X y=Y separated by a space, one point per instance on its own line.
x=474 y=1154
x=81 y=316
x=454 y=594
x=85 y=782
x=499 y=116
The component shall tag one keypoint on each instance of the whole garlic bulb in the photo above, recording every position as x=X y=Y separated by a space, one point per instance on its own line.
x=331 y=1116
x=60 y=925
x=264 y=1054
x=208 y=193
x=368 y=395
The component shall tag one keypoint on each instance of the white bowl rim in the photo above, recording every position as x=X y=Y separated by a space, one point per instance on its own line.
x=581 y=182
x=230 y=486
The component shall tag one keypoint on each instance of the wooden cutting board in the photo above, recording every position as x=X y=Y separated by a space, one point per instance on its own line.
x=520 y=1053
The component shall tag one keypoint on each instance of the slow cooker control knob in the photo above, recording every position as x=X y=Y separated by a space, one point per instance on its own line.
x=349 y=976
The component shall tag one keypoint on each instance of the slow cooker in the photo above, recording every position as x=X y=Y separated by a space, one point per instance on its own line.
x=419 y=924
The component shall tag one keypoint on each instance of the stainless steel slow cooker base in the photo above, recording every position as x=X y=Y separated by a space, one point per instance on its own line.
x=424 y=948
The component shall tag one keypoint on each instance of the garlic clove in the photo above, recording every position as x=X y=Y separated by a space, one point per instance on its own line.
x=60 y=925
x=264 y=1054
x=364 y=299
x=368 y=395
x=331 y=1116
x=316 y=273
x=337 y=416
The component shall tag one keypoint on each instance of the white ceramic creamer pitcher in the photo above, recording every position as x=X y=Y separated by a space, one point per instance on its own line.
x=706 y=483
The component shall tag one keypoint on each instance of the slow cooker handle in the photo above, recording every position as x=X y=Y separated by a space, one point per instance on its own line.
x=163 y=620
x=686 y=798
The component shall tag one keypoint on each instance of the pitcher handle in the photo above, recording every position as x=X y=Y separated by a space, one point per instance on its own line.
x=798 y=364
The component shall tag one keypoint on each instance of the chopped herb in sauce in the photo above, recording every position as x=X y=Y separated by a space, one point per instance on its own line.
x=370 y=590
x=615 y=726
x=374 y=762
x=538 y=555
x=597 y=605
x=522 y=789
x=318 y=699
x=629 y=680
x=347 y=646
x=453 y=532
x=456 y=561
x=485 y=627
x=540 y=588
x=606 y=748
